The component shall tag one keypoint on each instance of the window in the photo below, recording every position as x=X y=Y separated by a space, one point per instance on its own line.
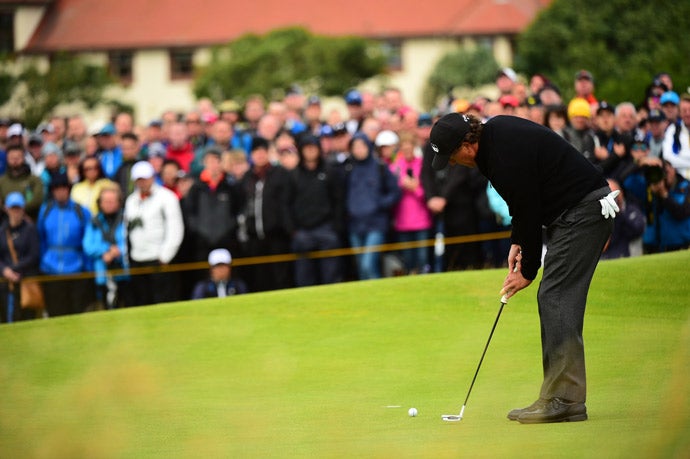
x=181 y=65
x=392 y=49
x=120 y=65
x=6 y=31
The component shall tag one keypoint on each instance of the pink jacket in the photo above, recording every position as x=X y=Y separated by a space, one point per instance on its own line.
x=411 y=213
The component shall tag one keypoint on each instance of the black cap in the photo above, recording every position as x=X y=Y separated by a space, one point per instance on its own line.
x=656 y=115
x=213 y=150
x=446 y=136
x=259 y=142
x=605 y=107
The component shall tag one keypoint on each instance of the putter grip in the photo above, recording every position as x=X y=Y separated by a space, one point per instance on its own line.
x=504 y=300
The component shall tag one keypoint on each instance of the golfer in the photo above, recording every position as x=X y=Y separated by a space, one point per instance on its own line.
x=547 y=184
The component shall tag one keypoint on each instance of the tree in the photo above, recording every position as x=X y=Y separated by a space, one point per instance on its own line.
x=624 y=43
x=268 y=64
x=68 y=79
x=460 y=68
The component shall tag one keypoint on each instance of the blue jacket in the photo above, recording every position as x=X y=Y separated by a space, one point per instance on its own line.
x=372 y=192
x=668 y=224
x=98 y=238
x=61 y=229
x=111 y=160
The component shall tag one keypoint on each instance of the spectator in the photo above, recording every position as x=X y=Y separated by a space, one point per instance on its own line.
x=18 y=178
x=353 y=101
x=180 y=149
x=25 y=240
x=312 y=116
x=72 y=154
x=86 y=191
x=52 y=156
x=371 y=194
x=211 y=208
x=265 y=221
x=386 y=146
x=61 y=226
x=76 y=129
x=657 y=123
x=173 y=178
x=505 y=81
x=131 y=147
x=235 y=164
x=556 y=119
x=156 y=156
x=195 y=130
x=105 y=243
x=155 y=230
x=628 y=226
x=669 y=102
x=668 y=210
x=316 y=208
x=411 y=219
x=108 y=151
x=584 y=88
x=677 y=139
x=288 y=157
x=612 y=147
x=220 y=282
x=451 y=195
x=579 y=133
x=34 y=154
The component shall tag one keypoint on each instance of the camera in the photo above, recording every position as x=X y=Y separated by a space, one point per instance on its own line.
x=653 y=174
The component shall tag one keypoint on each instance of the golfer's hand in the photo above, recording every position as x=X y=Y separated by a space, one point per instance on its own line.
x=514 y=281
x=609 y=208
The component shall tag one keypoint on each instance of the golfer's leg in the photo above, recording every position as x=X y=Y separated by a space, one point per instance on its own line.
x=574 y=247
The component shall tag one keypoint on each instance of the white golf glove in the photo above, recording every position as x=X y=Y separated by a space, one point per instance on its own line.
x=609 y=208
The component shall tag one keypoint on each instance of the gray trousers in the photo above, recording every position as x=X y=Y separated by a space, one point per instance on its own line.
x=574 y=244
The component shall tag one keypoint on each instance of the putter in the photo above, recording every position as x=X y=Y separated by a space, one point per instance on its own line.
x=458 y=417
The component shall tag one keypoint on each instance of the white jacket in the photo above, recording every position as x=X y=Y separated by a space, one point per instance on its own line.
x=155 y=225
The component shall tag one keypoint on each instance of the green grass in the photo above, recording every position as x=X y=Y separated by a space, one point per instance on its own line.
x=313 y=372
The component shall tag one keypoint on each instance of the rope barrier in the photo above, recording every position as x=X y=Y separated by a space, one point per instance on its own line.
x=279 y=258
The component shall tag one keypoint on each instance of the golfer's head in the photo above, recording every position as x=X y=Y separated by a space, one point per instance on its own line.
x=446 y=137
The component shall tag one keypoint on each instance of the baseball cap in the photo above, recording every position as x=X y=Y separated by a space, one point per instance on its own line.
x=425 y=119
x=309 y=140
x=386 y=138
x=314 y=100
x=51 y=148
x=15 y=130
x=353 y=97
x=229 y=106
x=605 y=107
x=508 y=100
x=70 y=147
x=15 y=199
x=45 y=127
x=510 y=73
x=669 y=97
x=157 y=149
x=142 y=170
x=656 y=115
x=219 y=257
x=446 y=136
x=584 y=75
x=35 y=139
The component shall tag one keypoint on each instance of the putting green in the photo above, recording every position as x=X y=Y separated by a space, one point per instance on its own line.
x=331 y=372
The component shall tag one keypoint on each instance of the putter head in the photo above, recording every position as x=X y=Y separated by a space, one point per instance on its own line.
x=454 y=417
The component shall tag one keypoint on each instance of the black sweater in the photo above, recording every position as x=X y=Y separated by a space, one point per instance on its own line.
x=538 y=173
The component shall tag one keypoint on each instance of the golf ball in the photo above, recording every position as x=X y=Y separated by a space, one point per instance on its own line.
x=412 y=412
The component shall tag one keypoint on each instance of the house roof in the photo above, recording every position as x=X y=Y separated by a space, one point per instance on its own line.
x=125 y=24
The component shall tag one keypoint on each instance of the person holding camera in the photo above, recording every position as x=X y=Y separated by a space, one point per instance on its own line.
x=662 y=192
x=668 y=210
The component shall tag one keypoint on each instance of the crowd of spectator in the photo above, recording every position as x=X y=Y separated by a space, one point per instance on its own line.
x=270 y=178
